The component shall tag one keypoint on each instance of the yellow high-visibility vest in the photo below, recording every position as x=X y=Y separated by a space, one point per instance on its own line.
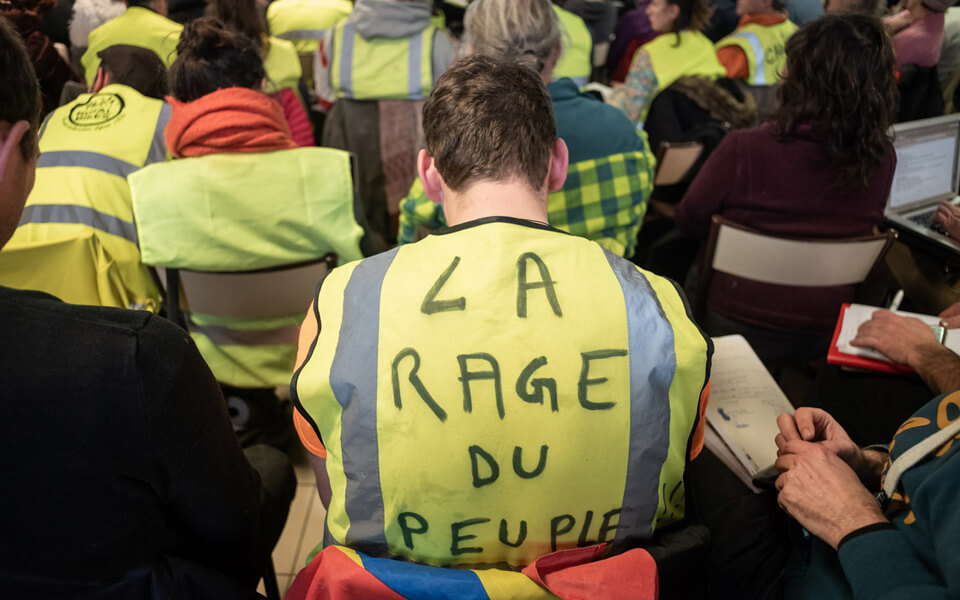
x=576 y=59
x=242 y=212
x=765 y=49
x=282 y=64
x=500 y=391
x=305 y=22
x=381 y=68
x=139 y=27
x=88 y=148
x=694 y=56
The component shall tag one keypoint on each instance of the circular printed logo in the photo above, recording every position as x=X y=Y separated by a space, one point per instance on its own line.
x=97 y=110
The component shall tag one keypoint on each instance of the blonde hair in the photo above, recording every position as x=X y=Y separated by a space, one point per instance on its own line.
x=513 y=29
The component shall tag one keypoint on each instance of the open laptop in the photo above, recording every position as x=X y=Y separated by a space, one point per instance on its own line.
x=927 y=173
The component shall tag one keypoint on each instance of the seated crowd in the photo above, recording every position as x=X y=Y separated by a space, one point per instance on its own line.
x=233 y=230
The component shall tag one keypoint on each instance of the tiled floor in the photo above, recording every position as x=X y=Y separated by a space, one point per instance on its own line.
x=304 y=528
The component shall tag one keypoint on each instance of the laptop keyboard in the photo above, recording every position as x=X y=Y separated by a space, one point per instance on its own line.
x=923 y=219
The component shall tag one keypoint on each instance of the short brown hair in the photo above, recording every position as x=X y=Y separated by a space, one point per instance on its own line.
x=489 y=119
x=19 y=88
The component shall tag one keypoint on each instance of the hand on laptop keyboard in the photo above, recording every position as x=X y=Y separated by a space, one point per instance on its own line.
x=947 y=220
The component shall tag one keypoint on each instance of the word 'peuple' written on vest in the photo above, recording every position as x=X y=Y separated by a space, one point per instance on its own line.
x=500 y=416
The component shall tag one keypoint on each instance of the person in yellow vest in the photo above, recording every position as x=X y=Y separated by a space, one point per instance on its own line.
x=576 y=61
x=386 y=49
x=305 y=22
x=755 y=52
x=280 y=61
x=681 y=49
x=144 y=24
x=88 y=149
x=503 y=390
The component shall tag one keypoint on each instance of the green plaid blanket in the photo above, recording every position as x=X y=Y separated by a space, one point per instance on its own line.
x=603 y=199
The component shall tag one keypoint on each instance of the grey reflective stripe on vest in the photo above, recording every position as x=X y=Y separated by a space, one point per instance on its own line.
x=90 y=160
x=303 y=34
x=653 y=364
x=346 y=60
x=760 y=66
x=414 y=64
x=43 y=126
x=158 y=146
x=353 y=380
x=224 y=336
x=79 y=215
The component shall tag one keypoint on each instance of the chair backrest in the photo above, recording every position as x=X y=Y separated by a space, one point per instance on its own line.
x=674 y=161
x=749 y=254
x=260 y=294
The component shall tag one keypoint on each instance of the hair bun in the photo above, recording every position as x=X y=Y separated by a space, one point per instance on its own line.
x=204 y=38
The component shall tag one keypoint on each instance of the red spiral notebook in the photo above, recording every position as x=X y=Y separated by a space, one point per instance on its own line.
x=851 y=316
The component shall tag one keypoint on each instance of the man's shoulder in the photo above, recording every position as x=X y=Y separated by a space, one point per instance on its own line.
x=22 y=310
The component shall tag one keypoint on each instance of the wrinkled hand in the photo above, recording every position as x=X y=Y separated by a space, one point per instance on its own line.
x=896 y=336
x=823 y=493
x=950 y=318
x=818 y=427
x=948 y=217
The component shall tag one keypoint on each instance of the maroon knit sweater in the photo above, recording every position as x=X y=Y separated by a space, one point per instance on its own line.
x=787 y=188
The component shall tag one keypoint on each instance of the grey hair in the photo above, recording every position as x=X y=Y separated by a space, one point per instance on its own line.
x=513 y=29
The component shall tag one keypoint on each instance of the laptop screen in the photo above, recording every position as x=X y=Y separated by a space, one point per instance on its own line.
x=926 y=163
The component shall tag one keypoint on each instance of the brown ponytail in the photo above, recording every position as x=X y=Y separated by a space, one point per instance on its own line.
x=211 y=57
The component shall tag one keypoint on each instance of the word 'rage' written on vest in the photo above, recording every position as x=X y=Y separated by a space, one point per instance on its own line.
x=482 y=380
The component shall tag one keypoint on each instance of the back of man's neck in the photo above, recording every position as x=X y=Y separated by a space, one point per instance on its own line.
x=496 y=199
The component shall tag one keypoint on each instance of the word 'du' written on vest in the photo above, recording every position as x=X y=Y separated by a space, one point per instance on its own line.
x=517 y=394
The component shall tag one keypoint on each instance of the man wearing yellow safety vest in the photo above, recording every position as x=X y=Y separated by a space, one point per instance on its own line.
x=305 y=22
x=88 y=148
x=755 y=51
x=144 y=24
x=500 y=391
x=386 y=49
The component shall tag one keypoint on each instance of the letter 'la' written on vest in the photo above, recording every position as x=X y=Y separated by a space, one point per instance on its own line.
x=510 y=419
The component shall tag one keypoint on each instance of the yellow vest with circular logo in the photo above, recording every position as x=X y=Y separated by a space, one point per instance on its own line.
x=694 y=56
x=259 y=211
x=88 y=148
x=381 y=68
x=139 y=27
x=576 y=58
x=763 y=46
x=500 y=391
x=305 y=22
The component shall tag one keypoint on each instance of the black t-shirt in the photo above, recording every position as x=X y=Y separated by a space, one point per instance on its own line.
x=115 y=449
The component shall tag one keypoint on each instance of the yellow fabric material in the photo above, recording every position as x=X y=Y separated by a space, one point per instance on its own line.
x=576 y=60
x=137 y=26
x=117 y=122
x=86 y=272
x=773 y=40
x=430 y=464
x=380 y=68
x=260 y=211
x=282 y=65
x=287 y=17
x=694 y=56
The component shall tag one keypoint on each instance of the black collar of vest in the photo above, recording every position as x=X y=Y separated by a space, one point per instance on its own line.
x=499 y=219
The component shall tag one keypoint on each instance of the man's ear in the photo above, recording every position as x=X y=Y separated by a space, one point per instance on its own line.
x=559 y=161
x=10 y=136
x=430 y=177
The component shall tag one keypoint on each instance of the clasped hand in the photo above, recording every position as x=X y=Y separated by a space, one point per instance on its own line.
x=821 y=473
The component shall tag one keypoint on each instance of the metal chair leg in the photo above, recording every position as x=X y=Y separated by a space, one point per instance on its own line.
x=270 y=582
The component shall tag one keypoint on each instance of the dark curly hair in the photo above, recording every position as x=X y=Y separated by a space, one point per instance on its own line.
x=839 y=82
x=19 y=90
x=211 y=57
